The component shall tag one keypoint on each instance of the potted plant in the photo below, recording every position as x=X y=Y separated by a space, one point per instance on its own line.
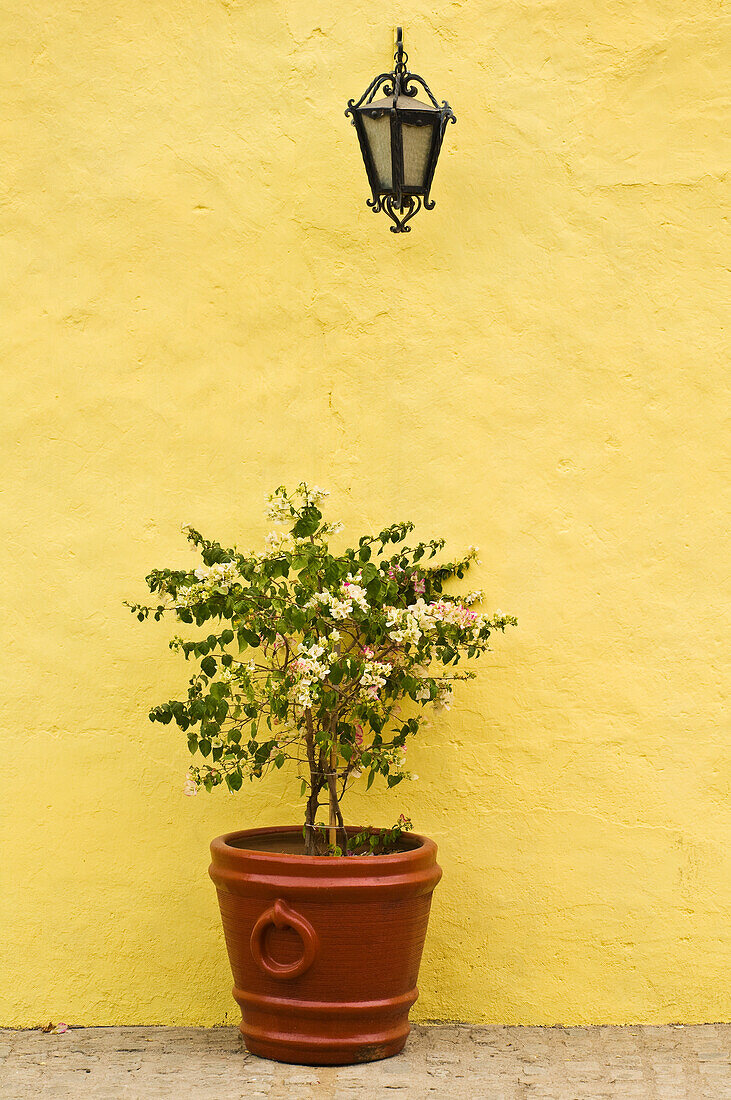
x=324 y=663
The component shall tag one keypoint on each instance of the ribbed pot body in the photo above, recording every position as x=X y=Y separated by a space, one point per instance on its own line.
x=325 y=951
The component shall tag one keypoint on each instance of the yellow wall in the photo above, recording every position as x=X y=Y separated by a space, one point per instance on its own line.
x=198 y=305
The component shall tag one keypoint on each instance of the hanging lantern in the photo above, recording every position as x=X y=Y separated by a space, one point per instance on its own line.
x=400 y=139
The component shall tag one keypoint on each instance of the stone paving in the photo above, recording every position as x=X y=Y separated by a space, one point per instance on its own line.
x=446 y=1060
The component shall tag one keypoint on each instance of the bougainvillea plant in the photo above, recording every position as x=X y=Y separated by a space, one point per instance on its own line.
x=329 y=659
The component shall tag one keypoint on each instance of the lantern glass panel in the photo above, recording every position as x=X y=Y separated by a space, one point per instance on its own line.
x=417 y=142
x=378 y=135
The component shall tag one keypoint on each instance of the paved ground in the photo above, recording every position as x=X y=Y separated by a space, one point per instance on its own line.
x=444 y=1061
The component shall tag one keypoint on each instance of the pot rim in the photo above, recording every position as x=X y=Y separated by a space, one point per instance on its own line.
x=248 y=870
x=223 y=844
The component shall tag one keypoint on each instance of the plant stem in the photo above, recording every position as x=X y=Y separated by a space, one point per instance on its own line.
x=333 y=796
x=316 y=785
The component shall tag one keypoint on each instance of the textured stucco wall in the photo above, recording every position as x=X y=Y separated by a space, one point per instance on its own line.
x=197 y=306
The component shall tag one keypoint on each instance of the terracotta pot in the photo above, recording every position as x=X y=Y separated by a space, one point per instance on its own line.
x=325 y=951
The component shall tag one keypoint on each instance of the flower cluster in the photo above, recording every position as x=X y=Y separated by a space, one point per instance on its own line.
x=373 y=678
x=276 y=541
x=340 y=604
x=308 y=670
x=410 y=624
x=443 y=699
x=396 y=757
x=236 y=670
x=281 y=507
x=212 y=580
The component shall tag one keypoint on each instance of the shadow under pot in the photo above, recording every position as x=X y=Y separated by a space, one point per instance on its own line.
x=324 y=950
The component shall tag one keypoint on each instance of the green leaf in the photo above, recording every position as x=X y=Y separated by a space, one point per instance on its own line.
x=247 y=637
x=308 y=523
x=208 y=664
x=234 y=781
x=373 y=588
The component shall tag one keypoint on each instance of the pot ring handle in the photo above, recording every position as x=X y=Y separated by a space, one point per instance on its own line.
x=281 y=916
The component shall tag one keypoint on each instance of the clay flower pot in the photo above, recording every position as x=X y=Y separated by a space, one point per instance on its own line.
x=325 y=951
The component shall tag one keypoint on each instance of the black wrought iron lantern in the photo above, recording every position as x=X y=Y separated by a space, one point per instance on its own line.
x=400 y=139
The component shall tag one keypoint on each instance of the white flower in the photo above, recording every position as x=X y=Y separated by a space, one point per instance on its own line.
x=278 y=507
x=443 y=699
x=303 y=695
x=276 y=541
x=338 y=609
x=316 y=494
x=352 y=590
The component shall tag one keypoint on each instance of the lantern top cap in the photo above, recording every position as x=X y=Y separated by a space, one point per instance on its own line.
x=402 y=103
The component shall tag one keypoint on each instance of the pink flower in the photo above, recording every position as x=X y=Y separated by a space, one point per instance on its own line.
x=358 y=733
x=60 y=1028
x=189 y=788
